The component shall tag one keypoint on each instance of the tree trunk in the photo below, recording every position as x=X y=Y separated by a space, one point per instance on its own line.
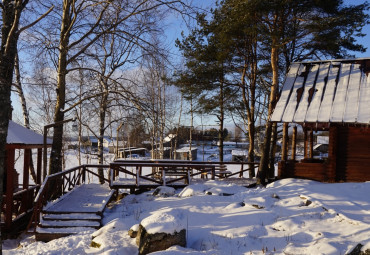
x=264 y=163
x=26 y=119
x=55 y=165
x=102 y=114
x=11 y=12
x=221 y=119
x=271 y=172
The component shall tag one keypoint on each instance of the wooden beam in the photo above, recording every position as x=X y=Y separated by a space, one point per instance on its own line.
x=305 y=143
x=294 y=142
x=284 y=153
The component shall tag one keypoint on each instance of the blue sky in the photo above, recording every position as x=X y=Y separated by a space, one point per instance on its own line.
x=175 y=25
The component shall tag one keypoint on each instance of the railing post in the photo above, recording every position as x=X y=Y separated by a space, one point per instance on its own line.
x=137 y=178
x=84 y=173
x=213 y=172
x=163 y=177
x=241 y=170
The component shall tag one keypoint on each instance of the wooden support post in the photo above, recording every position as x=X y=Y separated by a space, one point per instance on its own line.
x=84 y=174
x=26 y=168
x=284 y=154
x=10 y=153
x=305 y=143
x=311 y=144
x=332 y=154
x=26 y=198
x=39 y=166
x=294 y=142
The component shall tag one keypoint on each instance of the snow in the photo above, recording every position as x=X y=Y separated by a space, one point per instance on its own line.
x=186 y=149
x=285 y=93
x=292 y=103
x=300 y=113
x=338 y=107
x=239 y=152
x=289 y=216
x=18 y=134
x=78 y=201
x=314 y=105
x=165 y=221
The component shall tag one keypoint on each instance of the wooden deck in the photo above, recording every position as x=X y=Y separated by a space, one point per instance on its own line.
x=79 y=210
x=78 y=206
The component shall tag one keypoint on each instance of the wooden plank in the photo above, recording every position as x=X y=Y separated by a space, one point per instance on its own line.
x=364 y=101
x=352 y=99
x=340 y=94
x=328 y=97
x=314 y=106
x=285 y=93
x=292 y=103
x=300 y=114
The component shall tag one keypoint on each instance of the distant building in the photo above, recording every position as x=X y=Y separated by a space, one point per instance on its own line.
x=184 y=153
x=126 y=152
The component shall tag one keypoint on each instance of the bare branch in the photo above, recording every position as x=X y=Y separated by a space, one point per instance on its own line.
x=36 y=21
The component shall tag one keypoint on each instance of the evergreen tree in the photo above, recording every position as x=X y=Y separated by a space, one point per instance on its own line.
x=204 y=78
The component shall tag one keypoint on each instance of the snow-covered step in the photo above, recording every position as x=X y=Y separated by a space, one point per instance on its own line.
x=72 y=216
x=79 y=210
x=48 y=234
x=68 y=223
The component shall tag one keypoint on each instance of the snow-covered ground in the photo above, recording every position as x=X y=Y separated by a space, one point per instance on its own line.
x=289 y=216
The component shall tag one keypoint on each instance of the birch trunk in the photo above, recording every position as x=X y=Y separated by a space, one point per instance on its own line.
x=26 y=119
x=55 y=165
x=102 y=115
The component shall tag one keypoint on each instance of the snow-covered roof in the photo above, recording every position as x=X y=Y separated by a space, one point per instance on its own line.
x=169 y=137
x=336 y=91
x=18 y=134
x=186 y=149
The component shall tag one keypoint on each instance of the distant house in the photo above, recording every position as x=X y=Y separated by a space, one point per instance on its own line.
x=166 y=153
x=329 y=96
x=127 y=152
x=184 y=153
x=91 y=142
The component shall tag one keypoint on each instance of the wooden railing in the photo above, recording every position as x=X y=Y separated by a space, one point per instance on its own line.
x=58 y=184
x=244 y=166
x=182 y=170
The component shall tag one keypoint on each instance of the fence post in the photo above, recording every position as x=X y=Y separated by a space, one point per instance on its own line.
x=84 y=173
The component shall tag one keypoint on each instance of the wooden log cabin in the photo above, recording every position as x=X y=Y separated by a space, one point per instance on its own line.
x=22 y=181
x=331 y=96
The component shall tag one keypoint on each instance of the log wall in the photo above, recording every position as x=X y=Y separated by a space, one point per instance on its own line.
x=353 y=154
x=348 y=161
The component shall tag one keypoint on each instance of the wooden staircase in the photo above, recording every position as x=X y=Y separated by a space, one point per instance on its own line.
x=79 y=210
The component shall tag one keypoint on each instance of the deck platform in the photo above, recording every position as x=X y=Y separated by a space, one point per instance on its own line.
x=79 y=210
